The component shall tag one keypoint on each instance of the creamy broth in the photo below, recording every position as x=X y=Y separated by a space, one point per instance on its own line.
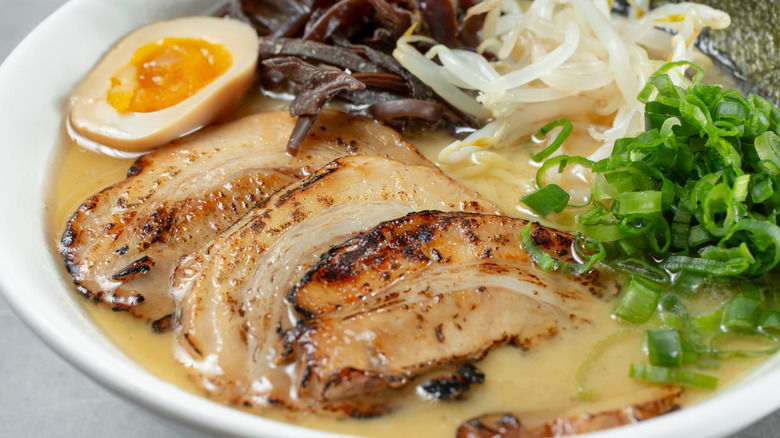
x=538 y=385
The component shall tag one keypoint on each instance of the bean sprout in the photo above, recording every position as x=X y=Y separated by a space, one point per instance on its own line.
x=556 y=58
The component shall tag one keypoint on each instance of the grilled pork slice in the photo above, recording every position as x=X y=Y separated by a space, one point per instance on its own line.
x=232 y=312
x=510 y=426
x=120 y=246
x=426 y=290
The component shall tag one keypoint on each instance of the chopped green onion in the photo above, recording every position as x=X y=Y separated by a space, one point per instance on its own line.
x=583 y=391
x=768 y=345
x=657 y=374
x=687 y=282
x=740 y=190
x=546 y=200
x=641 y=268
x=741 y=314
x=664 y=348
x=681 y=228
x=693 y=200
x=770 y=320
x=762 y=190
x=738 y=258
x=560 y=161
x=768 y=147
x=565 y=131
x=730 y=109
x=639 y=302
x=764 y=237
x=709 y=322
x=702 y=175
x=717 y=203
x=714 y=268
x=645 y=93
x=698 y=236
x=602 y=233
x=639 y=202
x=751 y=291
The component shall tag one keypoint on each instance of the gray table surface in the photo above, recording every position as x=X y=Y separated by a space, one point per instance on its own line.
x=40 y=393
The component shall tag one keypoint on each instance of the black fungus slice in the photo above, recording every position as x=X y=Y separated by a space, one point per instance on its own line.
x=318 y=85
x=421 y=109
x=442 y=21
x=359 y=36
x=336 y=56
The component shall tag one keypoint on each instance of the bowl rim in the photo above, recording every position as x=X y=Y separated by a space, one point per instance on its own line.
x=34 y=123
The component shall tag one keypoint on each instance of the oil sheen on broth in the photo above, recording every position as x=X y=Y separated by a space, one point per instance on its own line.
x=537 y=385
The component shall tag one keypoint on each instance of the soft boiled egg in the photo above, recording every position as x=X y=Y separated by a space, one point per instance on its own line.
x=163 y=81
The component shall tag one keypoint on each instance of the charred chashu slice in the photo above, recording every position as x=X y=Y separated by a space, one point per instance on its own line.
x=120 y=246
x=426 y=290
x=232 y=313
x=507 y=425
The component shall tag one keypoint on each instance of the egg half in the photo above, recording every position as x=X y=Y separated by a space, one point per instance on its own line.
x=163 y=81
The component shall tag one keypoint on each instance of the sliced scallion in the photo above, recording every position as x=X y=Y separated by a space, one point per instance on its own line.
x=546 y=200
x=566 y=128
x=639 y=302
x=664 y=348
x=640 y=202
x=585 y=392
x=657 y=374
x=692 y=200
x=741 y=314
x=770 y=320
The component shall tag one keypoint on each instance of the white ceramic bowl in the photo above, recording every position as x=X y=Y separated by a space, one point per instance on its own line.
x=34 y=82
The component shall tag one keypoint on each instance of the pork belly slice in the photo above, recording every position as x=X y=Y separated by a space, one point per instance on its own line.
x=429 y=289
x=233 y=318
x=508 y=425
x=121 y=245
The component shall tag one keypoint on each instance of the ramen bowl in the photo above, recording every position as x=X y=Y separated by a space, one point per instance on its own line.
x=35 y=81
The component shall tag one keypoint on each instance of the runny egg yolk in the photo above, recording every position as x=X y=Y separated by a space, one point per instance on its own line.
x=165 y=72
